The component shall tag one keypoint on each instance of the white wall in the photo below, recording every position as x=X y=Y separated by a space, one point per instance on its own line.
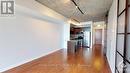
x=66 y=35
x=111 y=35
x=34 y=31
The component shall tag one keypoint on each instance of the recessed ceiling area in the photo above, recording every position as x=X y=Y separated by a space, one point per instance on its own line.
x=94 y=10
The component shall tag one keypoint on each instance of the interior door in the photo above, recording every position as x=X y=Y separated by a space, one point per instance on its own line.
x=98 y=36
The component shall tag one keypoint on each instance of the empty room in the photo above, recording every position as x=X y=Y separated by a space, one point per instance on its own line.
x=64 y=36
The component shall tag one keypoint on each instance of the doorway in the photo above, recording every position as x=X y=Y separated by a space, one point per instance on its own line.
x=98 y=36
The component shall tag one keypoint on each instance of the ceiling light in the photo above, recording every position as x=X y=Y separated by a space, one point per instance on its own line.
x=98 y=25
x=76 y=6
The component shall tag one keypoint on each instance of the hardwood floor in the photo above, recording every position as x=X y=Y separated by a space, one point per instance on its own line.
x=84 y=61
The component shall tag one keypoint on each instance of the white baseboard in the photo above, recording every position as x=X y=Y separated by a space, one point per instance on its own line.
x=26 y=61
x=109 y=63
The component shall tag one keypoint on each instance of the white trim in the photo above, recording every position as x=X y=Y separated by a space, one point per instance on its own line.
x=26 y=61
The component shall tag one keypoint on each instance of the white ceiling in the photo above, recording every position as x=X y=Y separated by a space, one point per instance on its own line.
x=95 y=10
